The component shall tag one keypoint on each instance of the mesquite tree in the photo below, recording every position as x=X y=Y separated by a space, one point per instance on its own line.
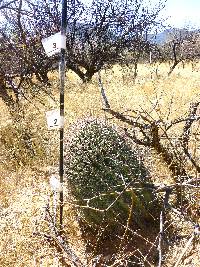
x=98 y=35
x=182 y=46
x=145 y=130
x=110 y=28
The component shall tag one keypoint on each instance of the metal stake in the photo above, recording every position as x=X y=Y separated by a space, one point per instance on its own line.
x=62 y=87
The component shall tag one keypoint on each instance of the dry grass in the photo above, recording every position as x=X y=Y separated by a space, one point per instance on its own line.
x=24 y=189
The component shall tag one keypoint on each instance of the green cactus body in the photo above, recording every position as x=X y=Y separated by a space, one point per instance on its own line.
x=100 y=165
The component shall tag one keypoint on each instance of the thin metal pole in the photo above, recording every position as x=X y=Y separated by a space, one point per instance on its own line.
x=62 y=87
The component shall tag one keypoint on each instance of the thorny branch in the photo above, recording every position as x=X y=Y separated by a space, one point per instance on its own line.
x=159 y=188
x=187 y=132
x=149 y=130
x=59 y=241
x=152 y=138
x=69 y=257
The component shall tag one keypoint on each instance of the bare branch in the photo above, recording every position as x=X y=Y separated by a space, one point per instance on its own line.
x=105 y=100
x=188 y=244
x=187 y=131
x=5 y=4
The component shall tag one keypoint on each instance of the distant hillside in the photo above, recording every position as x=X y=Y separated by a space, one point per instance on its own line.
x=166 y=35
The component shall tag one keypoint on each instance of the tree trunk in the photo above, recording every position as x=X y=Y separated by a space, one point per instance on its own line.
x=7 y=99
x=173 y=67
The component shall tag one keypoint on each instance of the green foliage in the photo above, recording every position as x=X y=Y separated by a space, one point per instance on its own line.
x=100 y=164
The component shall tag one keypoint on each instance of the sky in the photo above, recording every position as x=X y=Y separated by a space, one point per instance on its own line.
x=180 y=13
x=183 y=12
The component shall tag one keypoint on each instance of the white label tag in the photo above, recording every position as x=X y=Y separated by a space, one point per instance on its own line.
x=55 y=184
x=54 y=120
x=54 y=43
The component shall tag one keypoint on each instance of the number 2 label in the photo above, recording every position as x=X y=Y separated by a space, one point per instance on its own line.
x=54 y=120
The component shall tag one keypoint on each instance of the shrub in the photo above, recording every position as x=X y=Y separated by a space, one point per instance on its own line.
x=20 y=145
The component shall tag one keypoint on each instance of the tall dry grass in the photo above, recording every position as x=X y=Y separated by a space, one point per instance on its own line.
x=24 y=183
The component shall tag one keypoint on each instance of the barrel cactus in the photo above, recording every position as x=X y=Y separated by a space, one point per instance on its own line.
x=101 y=167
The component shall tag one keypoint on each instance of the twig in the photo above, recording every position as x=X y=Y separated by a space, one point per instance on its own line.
x=60 y=242
x=130 y=216
x=160 y=239
x=184 y=251
x=105 y=100
x=187 y=132
x=138 y=235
